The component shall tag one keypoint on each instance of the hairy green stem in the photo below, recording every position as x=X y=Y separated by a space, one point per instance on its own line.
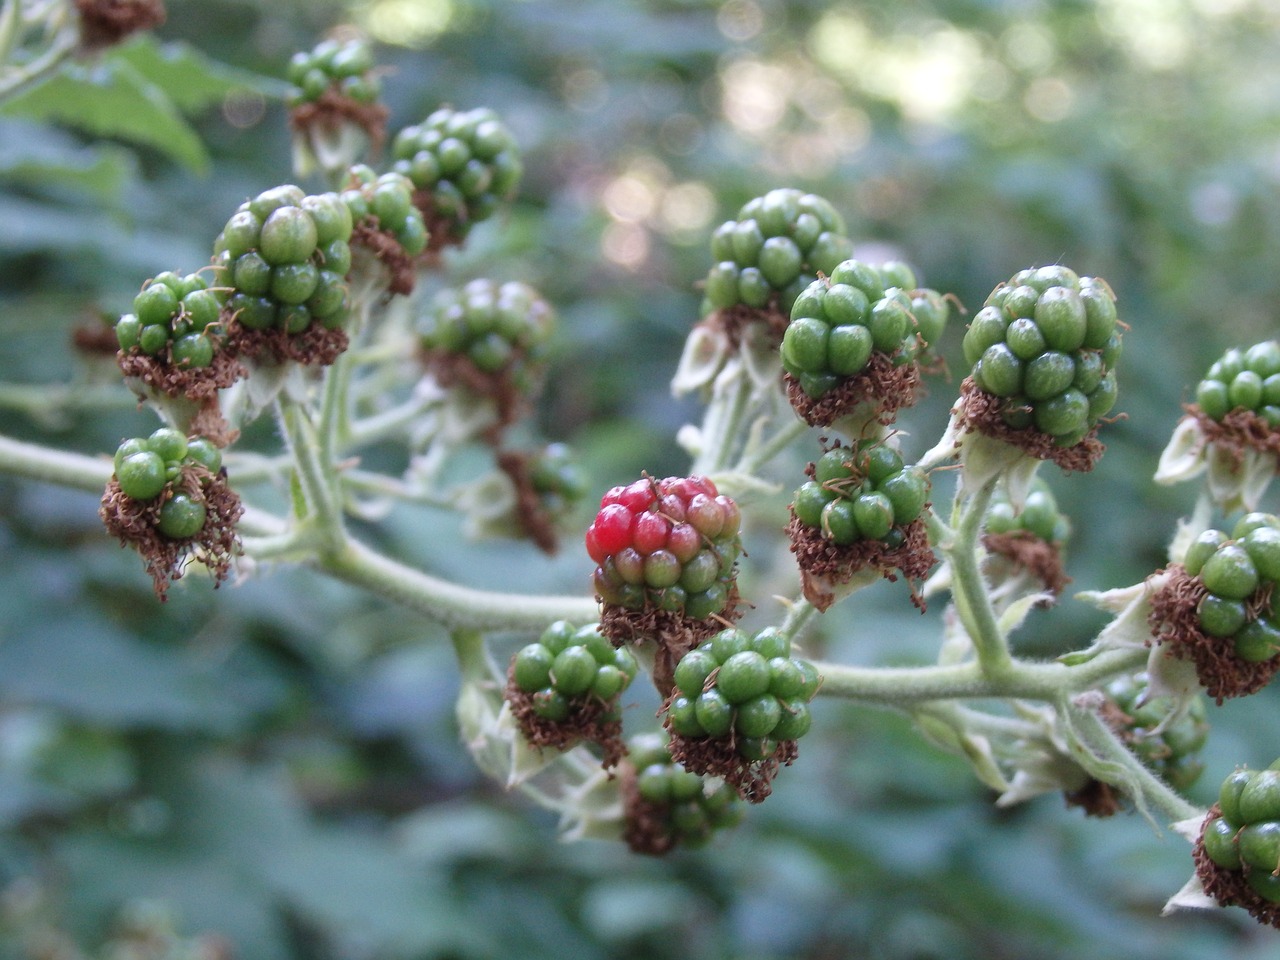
x=1022 y=680
x=448 y=603
x=314 y=475
x=969 y=587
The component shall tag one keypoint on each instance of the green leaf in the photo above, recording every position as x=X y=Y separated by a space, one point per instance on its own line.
x=113 y=99
x=43 y=158
x=191 y=80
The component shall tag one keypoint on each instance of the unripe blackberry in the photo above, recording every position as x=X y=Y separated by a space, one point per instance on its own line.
x=1043 y=351
x=337 y=68
x=565 y=687
x=168 y=498
x=547 y=485
x=666 y=806
x=174 y=341
x=738 y=705
x=1237 y=854
x=1165 y=741
x=768 y=255
x=104 y=23
x=1217 y=610
x=463 y=165
x=861 y=508
x=333 y=105
x=490 y=338
x=1029 y=541
x=668 y=544
x=387 y=224
x=1237 y=404
x=284 y=257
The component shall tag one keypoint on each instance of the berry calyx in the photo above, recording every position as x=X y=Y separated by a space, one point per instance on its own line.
x=1029 y=542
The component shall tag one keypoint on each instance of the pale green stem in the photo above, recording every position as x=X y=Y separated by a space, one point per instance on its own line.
x=799 y=614
x=755 y=459
x=722 y=424
x=35 y=462
x=1028 y=681
x=969 y=587
x=447 y=603
x=314 y=475
x=1118 y=764
x=46 y=402
x=389 y=423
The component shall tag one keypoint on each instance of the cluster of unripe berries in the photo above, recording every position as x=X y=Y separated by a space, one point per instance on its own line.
x=691 y=807
x=745 y=689
x=466 y=161
x=498 y=327
x=670 y=544
x=285 y=256
x=857 y=309
x=1165 y=738
x=343 y=66
x=1235 y=571
x=1244 y=837
x=174 y=319
x=1047 y=344
x=565 y=667
x=1039 y=516
x=775 y=248
x=556 y=478
x=864 y=492
x=148 y=467
x=1246 y=380
x=385 y=201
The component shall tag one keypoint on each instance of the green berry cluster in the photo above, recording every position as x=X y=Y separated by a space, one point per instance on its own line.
x=775 y=248
x=285 y=256
x=1039 y=516
x=841 y=319
x=385 y=202
x=689 y=808
x=1234 y=570
x=501 y=328
x=174 y=318
x=343 y=66
x=557 y=479
x=148 y=467
x=566 y=667
x=1166 y=742
x=466 y=161
x=1047 y=343
x=1246 y=380
x=745 y=688
x=863 y=492
x=1244 y=837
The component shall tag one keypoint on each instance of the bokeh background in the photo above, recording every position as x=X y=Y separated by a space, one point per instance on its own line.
x=276 y=763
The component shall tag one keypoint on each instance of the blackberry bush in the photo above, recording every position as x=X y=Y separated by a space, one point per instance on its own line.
x=387 y=227
x=463 y=165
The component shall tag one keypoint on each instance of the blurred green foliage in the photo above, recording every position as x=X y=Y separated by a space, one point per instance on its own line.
x=276 y=762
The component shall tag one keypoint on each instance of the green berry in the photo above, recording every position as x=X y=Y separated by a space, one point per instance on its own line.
x=692 y=671
x=1230 y=573
x=1220 y=843
x=181 y=517
x=714 y=713
x=141 y=475
x=1220 y=617
x=743 y=676
x=758 y=716
x=288 y=236
x=532 y=667
x=1259 y=799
